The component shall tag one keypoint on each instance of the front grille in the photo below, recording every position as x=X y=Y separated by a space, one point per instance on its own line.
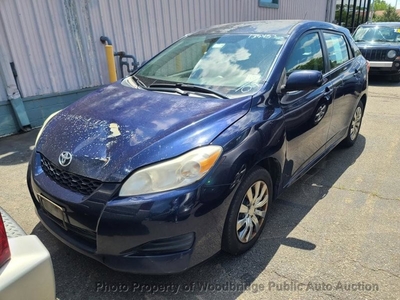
x=73 y=182
x=376 y=54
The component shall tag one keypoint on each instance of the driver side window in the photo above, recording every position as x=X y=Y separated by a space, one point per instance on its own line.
x=306 y=55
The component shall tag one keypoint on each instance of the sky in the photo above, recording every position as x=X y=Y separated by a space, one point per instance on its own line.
x=393 y=3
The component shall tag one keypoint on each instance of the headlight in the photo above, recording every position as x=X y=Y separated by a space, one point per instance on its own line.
x=178 y=172
x=391 y=54
x=44 y=125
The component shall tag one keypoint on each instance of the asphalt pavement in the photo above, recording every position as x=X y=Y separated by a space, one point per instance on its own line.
x=335 y=234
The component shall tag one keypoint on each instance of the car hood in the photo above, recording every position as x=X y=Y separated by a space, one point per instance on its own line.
x=117 y=129
x=381 y=45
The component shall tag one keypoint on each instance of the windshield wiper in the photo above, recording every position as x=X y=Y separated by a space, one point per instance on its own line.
x=138 y=81
x=167 y=88
x=182 y=87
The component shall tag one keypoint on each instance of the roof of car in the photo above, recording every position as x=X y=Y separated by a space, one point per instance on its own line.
x=282 y=27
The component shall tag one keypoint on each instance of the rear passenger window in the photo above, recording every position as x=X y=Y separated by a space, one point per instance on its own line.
x=306 y=55
x=337 y=49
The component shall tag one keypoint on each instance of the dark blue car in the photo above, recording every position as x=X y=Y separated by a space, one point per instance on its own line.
x=160 y=171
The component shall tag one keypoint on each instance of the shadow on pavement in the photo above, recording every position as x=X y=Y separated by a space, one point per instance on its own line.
x=221 y=277
x=17 y=149
x=375 y=80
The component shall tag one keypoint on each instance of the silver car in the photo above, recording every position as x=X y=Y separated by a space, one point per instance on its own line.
x=26 y=270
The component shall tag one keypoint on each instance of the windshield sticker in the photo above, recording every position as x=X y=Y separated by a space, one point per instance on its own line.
x=264 y=36
x=246 y=88
x=397 y=30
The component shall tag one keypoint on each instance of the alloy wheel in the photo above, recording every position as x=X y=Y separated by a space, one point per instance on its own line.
x=252 y=211
x=355 y=123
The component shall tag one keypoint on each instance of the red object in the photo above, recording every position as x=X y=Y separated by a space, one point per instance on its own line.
x=5 y=253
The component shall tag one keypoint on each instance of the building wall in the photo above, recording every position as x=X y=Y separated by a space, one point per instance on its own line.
x=56 y=49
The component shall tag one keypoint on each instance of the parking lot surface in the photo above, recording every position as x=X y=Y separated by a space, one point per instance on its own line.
x=334 y=234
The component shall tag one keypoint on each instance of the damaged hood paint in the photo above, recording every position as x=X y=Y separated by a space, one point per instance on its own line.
x=118 y=129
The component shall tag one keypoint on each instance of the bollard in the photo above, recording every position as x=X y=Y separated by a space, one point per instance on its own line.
x=112 y=71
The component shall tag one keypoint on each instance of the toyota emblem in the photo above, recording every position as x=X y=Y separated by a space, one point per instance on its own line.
x=65 y=158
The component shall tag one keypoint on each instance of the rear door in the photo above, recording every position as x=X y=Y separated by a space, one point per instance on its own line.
x=345 y=76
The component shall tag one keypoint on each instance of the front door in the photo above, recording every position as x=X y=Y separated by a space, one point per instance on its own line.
x=307 y=113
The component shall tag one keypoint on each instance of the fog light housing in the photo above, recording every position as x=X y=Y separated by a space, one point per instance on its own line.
x=164 y=246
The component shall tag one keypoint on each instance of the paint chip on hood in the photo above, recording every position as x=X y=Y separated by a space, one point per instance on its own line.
x=114 y=128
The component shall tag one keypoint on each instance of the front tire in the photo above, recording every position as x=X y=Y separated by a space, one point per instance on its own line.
x=355 y=125
x=246 y=215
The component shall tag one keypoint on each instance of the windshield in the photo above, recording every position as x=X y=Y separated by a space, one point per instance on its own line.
x=232 y=65
x=377 y=34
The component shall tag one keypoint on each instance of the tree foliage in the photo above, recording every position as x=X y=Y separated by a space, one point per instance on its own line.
x=380 y=5
x=344 y=15
x=389 y=15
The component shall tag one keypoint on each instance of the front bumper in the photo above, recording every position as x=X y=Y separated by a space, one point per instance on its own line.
x=154 y=264
x=385 y=67
x=125 y=234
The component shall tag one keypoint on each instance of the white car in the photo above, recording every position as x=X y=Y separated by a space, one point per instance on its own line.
x=26 y=270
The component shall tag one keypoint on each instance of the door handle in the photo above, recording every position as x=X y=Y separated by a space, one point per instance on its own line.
x=328 y=94
x=328 y=91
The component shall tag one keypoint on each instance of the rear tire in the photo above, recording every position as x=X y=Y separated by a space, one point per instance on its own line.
x=355 y=126
x=246 y=215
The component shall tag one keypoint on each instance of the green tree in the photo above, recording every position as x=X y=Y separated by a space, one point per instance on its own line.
x=341 y=13
x=380 y=5
x=390 y=15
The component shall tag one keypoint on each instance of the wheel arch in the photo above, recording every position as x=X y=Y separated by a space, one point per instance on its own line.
x=274 y=169
x=364 y=100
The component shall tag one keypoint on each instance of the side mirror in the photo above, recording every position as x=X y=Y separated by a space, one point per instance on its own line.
x=303 y=80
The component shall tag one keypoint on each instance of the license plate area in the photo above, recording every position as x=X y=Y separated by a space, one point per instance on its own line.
x=54 y=210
